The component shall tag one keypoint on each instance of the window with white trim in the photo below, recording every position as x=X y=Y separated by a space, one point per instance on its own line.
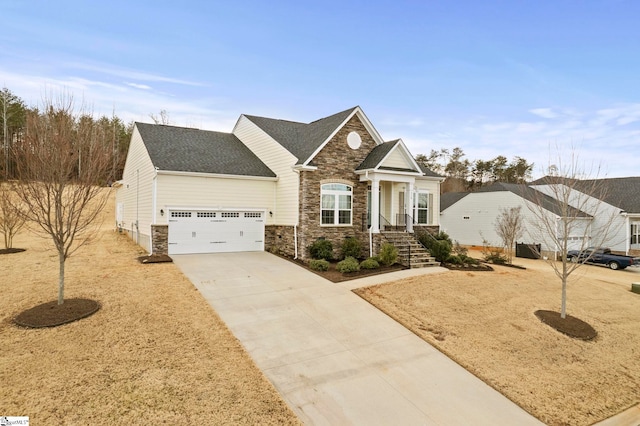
x=336 y=204
x=422 y=207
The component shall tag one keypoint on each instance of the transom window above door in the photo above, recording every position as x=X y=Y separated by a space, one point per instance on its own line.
x=336 y=204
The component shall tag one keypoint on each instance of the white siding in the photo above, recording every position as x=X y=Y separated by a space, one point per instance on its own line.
x=609 y=227
x=433 y=187
x=397 y=159
x=281 y=161
x=135 y=194
x=472 y=219
x=213 y=193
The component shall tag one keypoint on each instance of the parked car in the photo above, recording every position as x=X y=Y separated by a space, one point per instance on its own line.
x=602 y=256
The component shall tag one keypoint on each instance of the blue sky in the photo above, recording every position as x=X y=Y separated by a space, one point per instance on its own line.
x=512 y=78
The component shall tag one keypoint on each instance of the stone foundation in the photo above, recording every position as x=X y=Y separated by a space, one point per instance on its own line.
x=280 y=240
x=160 y=239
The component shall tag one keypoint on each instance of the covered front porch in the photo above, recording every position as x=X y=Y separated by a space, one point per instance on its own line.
x=400 y=193
x=395 y=203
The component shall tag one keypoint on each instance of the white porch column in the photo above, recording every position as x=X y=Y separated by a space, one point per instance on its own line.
x=375 y=205
x=408 y=201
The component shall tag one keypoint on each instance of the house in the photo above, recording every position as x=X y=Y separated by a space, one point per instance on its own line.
x=272 y=185
x=610 y=208
x=469 y=217
x=614 y=204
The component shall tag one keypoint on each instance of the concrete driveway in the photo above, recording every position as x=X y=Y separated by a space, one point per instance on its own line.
x=335 y=358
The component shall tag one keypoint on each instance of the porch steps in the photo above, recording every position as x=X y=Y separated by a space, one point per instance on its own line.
x=410 y=252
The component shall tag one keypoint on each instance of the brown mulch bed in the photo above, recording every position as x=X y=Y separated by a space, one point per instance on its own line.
x=571 y=326
x=337 y=277
x=467 y=267
x=154 y=258
x=11 y=250
x=51 y=314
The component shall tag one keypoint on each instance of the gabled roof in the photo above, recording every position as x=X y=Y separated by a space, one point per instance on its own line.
x=450 y=198
x=305 y=140
x=623 y=193
x=534 y=196
x=376 y=159
x=181 y=149
x=377 y=154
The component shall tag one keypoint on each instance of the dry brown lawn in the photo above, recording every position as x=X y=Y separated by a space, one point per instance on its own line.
x=155 y=353
x=485 y=321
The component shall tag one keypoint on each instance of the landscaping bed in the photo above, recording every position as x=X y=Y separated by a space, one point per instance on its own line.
x=333 y=275
x=487 y=323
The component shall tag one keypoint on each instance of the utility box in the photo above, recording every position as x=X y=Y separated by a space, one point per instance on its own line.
x=528 y=251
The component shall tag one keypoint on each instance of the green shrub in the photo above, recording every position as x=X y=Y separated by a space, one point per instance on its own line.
x=321 y=249
x=319 y=265
x=441 y=250
x=351 y=247
x=455 y=260
x=349 y=264
x=439 y=245
x=493 y=254
x=370 y=263
x=467 y=260
x=388 y=254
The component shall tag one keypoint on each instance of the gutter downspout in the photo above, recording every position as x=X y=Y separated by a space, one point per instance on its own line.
x=295 y=227
x=138 y=206
x=153 y=207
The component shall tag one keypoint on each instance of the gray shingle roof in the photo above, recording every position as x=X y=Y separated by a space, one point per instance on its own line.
x=534 y=196
x=429 y=172
x=450 y=198
x=191 y=150
x=301 y=139
x=376 y=155
x=623 y=193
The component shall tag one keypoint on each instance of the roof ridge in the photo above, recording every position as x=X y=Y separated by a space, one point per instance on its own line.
x=333 y=115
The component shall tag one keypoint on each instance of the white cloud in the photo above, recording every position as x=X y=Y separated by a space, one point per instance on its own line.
x=139 y=86
x=544 y=112
x=602 y=137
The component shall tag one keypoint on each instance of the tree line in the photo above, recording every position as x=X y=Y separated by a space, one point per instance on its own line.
x=111 y=132
x=465 y=175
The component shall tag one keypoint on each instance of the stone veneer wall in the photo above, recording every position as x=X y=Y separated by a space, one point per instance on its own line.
x=432 y=229
x=336 y=163
x=280 y=239
x=160 y=239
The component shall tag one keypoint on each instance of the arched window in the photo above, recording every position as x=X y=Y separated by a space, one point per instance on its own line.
x=335 y=205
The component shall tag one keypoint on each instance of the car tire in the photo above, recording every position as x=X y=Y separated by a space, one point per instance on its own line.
x=614 y=265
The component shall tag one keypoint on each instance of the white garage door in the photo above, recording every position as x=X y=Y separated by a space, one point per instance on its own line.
x=195 y=231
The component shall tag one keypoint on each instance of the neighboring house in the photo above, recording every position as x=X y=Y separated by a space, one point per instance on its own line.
x=616 y=211
x=470 y=217
x=270 y=185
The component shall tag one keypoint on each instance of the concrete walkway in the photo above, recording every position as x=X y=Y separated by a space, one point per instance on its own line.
x=335 y=358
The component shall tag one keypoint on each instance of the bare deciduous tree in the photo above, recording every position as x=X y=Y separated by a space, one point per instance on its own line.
x=163 y=118
x=60 y=163
x=12 y=217
x=568 y=222
x=509 y=227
